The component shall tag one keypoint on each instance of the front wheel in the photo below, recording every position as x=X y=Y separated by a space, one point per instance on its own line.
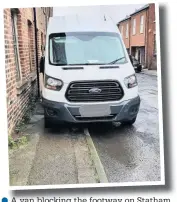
x=128 y=123
x=47 y=123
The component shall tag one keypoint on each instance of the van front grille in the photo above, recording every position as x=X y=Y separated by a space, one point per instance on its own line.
x=94 y=91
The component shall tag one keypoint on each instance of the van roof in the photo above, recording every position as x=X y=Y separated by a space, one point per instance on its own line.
x=81 y=23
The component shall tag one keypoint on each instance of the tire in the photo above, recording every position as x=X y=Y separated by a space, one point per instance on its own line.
x=48 y=123
x=128 y=123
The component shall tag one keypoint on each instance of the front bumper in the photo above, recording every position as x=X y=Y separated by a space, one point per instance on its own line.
x=62 y=112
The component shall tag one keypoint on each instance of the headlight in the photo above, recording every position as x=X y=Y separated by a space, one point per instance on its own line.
x=131 y=81
x=52 y=83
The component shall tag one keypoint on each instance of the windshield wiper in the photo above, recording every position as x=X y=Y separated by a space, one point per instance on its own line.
x=114 y=61
x=87 y=63
x=65 y=64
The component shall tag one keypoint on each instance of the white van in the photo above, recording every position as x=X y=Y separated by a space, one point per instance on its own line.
x=88 y=76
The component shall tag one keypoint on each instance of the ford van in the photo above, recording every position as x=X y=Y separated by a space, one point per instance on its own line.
x=87 y=73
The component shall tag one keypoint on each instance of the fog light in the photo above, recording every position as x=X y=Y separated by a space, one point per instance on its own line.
x=51 y=112
x=133 y=110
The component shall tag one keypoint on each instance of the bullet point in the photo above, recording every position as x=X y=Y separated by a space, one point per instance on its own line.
x=4 y=199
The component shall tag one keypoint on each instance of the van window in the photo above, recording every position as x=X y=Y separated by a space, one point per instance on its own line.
x=85 y=48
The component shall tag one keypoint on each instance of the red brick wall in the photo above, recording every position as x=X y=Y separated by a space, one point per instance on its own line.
x=19 y=93
x=124 y=25
x=146 y=38
x=139 y=38
x=9 y=67
x=151 y=31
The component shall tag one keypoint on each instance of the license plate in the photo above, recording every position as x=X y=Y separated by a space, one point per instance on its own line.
x=94 y=110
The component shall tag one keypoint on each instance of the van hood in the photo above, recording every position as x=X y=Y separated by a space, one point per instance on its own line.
x=89 y=72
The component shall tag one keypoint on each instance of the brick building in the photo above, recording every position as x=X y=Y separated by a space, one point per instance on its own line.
x=20 y=58
x=125 y=31
x=139 y=34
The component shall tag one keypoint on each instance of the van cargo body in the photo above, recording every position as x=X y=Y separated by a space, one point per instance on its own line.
x=88 y=76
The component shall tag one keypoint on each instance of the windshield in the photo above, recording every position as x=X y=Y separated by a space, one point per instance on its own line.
x=85 y=48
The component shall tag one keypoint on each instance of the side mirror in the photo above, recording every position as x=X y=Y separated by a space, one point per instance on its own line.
x=42 y=63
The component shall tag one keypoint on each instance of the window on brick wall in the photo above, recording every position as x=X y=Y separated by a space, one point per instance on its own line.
x=30 y=41
x=127 y=30
x=122 y=30
x=142 y=24
x=14 y=19
x=134 y=27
